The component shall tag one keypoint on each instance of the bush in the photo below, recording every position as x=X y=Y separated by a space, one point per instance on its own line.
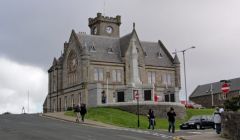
x=69 y=108
x=232 y=104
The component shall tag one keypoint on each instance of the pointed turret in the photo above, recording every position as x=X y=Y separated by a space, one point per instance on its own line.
x=176 y=60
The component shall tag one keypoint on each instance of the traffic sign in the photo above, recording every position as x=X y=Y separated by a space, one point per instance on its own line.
x=225 y=88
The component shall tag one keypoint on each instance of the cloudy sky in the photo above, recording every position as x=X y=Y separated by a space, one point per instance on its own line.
x=33 y=32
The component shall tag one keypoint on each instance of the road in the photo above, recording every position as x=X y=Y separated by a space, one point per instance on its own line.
x=35 y=127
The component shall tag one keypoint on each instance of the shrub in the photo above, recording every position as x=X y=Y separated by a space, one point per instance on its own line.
x=69 y=109
x=232 y=104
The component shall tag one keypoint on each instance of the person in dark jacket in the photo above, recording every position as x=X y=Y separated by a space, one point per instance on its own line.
x=151 y=119
x=171 y=120
x=83 y=111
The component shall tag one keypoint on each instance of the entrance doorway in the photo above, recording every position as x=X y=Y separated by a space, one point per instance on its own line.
x=147 y=95
x=120 y=96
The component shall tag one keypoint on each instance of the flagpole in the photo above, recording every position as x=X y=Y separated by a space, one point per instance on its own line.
x=28 y=101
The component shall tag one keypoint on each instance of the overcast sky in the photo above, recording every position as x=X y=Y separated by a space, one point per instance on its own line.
x=33 y=32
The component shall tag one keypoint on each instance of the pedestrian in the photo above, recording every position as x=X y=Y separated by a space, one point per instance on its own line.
x=83 y=111
x=77 y=111
x=217 y=120
x=151 y=119
x=171 y=120
x=221 y=110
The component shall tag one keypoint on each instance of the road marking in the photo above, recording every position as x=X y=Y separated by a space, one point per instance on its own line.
x=131 y=137
x=145 y=132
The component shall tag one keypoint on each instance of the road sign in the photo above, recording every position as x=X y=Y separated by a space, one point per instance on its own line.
x=225 y=88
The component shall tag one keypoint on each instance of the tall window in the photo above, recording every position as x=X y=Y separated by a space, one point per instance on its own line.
x=116 y=75
x=98 y=74
x=65 y=103
x=167 y=79
x=72 y=63
x=151 y=77
x=72 y=100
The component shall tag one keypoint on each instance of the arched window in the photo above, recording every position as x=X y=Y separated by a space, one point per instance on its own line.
x=72 y=63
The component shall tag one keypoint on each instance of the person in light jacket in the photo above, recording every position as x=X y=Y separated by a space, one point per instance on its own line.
x=217 y=120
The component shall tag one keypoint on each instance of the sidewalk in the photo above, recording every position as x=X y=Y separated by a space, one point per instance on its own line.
x=61 y=116
x=205 y=136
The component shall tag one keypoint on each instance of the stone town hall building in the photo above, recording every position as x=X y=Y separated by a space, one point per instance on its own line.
x=104 y=68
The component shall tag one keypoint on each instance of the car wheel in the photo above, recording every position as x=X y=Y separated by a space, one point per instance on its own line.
x=198 y=126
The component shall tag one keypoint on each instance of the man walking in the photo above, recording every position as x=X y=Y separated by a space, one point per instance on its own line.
x=171 y=120
x=77 y=110
x=83 y=111
x=151 y=119
x=217 y=120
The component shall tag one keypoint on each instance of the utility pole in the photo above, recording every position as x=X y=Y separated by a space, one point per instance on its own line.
x=211 y=90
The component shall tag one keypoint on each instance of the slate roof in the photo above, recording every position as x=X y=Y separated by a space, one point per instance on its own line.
x=102 y=44
x=203 y=90
x=152 y=49
x=119 y=47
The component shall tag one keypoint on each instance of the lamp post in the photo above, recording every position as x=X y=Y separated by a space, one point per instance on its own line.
x=136 y=94
x=57 y=88
x=184 y=66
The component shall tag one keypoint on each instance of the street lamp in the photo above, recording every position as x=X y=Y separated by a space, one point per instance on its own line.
x=184 y=65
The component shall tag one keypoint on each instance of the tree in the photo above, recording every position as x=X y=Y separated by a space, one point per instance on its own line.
x=232 y=104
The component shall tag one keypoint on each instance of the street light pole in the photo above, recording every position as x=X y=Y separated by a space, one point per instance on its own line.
x=138 y=110
x=185 y=77
x=184 y=67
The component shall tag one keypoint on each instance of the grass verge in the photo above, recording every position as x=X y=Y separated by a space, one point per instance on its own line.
x=125 y=119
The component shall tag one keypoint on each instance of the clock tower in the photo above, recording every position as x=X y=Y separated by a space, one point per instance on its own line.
x=105 y=26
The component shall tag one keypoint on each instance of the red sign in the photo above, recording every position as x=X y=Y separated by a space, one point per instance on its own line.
x=225 y=88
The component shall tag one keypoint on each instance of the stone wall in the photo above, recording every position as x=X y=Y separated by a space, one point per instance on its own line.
x=160 y=109
x=206 y=101
x=231 y=125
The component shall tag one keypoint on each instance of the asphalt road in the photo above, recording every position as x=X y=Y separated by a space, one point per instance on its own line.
x=35 y=127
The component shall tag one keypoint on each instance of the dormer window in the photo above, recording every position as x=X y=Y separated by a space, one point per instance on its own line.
x=92 y=48
x=110 y=50
x=137 y=50
x=159 y=54
x=145 y=53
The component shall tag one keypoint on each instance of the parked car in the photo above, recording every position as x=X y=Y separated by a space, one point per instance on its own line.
x=198 y=106
x=198 y=122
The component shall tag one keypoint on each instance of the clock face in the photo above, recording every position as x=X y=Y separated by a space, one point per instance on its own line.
x=109 y=29
x=95 y=30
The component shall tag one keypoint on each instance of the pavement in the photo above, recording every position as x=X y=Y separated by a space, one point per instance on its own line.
x=179 y=135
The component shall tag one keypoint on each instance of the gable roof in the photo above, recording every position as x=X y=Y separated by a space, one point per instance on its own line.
x=203 y=90
x=152 y=49
x=120 y=46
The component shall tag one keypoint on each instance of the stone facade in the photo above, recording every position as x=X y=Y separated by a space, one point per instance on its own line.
x=218 y=99
x=103 y=68
x=231 y=125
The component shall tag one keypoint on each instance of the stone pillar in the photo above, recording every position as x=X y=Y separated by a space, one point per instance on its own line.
x=85 y=73
x=134 y=64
